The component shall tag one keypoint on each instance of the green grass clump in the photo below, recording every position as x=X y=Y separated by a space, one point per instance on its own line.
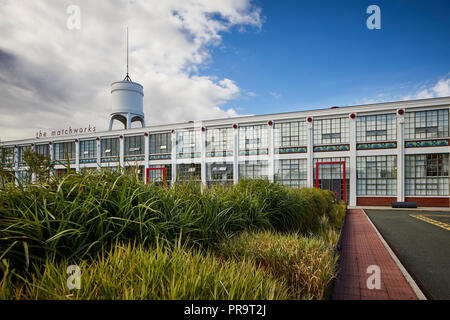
x=127 y=272
x=307 y=264
x=77 y=216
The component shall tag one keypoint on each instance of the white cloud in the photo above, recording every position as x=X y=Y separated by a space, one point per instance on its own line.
x=51 y=77
x=275 y=95
x=440 y=89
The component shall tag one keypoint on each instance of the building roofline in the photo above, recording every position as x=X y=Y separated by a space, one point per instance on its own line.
x=339 y=111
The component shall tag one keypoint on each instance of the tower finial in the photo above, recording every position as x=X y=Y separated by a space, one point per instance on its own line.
x=127 y=78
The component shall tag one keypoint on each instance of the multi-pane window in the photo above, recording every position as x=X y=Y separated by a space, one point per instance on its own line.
x=290 y=134
x=156 y=173
x=189 y=143
x=21 y=152
x=161 y=143
x=426 y=124
x=7 y=155
x=377 y=175
x=253 y=170
x=380 y=127
x=134 y=146
x=88 y=149
x=43 y=150
x=64 y=150
x=110 y=147
x=331 y=131
x=189 y=172
x=291 y=172
x=136 y=171
x=219 y=140
x=427 y=175
x=24 y=177
x=219 y=173
x=253 y=138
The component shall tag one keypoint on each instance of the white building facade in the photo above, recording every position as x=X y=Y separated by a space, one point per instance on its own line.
x=367 y=155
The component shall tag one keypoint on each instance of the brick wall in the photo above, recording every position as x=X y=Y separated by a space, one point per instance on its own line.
x=375 y=201
x=387 y=201
x=430 y=202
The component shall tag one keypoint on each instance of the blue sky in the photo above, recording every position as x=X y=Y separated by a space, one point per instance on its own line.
x=313 y=54
x=204 y=59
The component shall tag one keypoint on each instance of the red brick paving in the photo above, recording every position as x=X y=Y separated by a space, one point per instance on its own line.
x=360 y=248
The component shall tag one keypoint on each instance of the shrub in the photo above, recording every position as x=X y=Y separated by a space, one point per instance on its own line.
x=138 y=273
x=307 y=264
x=78 y=215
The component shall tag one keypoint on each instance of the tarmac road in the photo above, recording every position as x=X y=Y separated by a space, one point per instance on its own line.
x=423 y=246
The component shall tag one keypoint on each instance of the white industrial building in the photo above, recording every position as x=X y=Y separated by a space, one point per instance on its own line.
x=368 y=154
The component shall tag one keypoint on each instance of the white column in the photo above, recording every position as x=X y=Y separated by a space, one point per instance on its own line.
x=174 y=157
x=352 y=169
x=203 y=159
x=16 y=165
x=400 y=158
x=99 y=154
x=310 y=154
x=271 y=154
x=236 y=155
x=128 y=126
x=122 y=152
x=51 y=153
x=146 y=154
x=77 y=156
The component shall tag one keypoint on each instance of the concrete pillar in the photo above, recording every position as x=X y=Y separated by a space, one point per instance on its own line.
x=174 y=157
x=352 y=169
x=310 y=154
x=122 y=152
x=99 y=154
x=271 y=154
x=203 y=157
x=236 y=154
x=400 y=158
x=77 y=156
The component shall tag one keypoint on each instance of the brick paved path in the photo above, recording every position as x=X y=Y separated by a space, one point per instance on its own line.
x=360 y=248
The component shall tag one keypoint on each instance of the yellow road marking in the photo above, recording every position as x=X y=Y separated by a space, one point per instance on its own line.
x=424 y=217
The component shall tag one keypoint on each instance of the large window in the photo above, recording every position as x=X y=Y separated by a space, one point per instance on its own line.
x=291 y=172
x=377 y=175
x=290 y=134
x=426 y=124
x=88 y=149
x=253 y=170
x=110 y=147
x=427 y=175
x=219 y=142
x=21 y=152
x=254 y=139
x=190 y=172
x=7 y=156
x=161 y=143
x=219 y=173
x=134 y=146
x=331 y=131
x=189 y=144
x=156 y=176
x=43 y=150
x=64 y=150
x=380 y=127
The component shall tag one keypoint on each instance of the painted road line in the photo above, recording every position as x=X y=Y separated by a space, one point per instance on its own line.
x=425 y=218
